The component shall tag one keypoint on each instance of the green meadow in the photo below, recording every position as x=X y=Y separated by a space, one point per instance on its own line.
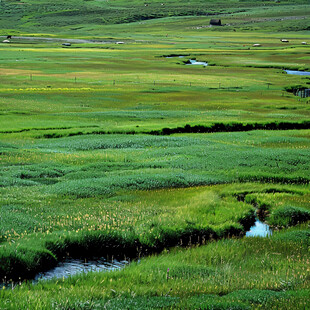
x=116 y=146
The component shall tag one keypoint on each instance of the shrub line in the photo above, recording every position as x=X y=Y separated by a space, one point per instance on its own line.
x=233 y=127
x=216 y=127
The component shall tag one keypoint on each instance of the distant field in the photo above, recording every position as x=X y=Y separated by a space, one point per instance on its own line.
x=116 y=145
x=134 y=87
x=76 y=17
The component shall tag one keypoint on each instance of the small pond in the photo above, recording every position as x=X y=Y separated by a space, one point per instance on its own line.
x=195 y=62
x=259 y=229
x=71 y=267
x=297 y=72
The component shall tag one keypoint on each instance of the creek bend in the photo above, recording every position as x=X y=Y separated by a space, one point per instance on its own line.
x=74 y=266
x=71 y=267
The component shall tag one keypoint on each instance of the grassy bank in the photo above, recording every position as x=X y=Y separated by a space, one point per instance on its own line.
x=133 y=194
x=251 y=273
x=131 y=225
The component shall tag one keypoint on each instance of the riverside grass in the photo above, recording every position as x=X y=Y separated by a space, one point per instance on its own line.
x=67 y=186
x=251 y=273
x=84 y=192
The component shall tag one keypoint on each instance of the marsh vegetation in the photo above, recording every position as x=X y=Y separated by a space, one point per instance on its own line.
x=122 y=150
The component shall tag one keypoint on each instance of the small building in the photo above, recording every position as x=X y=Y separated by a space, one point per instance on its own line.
x=215 y=22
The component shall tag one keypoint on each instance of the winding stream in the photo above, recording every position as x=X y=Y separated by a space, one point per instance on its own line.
x=71 y=267
x=294 y=72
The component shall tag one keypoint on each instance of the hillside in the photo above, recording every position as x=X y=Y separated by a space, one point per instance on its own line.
x=87 y=17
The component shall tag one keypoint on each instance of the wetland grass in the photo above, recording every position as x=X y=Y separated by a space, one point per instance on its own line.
x=81 y=175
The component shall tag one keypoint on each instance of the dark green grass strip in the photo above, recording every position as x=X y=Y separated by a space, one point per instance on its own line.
x=233 y=127
x=216 y=127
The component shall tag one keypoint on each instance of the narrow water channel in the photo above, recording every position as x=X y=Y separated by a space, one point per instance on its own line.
x=294 y=72
x=259 y=229
x=71 y=267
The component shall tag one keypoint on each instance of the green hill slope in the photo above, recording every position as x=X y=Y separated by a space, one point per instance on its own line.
x=33 y=16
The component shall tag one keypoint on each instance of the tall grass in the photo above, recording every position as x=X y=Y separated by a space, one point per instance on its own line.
x=121 y=227
x=139 y=187
x=80 y=174
x=230 y=274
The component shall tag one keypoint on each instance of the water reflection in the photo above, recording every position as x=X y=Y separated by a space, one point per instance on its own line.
x=297 y=72
x=71 y=267
x=180 y=56
x=259 y=229
x=195 y=62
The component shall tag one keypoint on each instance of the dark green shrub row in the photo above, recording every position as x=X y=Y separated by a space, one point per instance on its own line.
x=217 y=127
x=231 y=127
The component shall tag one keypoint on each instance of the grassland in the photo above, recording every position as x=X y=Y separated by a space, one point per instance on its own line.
x=125 y=150
x=82 y=17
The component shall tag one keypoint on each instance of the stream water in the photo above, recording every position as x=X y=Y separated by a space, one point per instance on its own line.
x=259 y=229
x=191 y=61
x=71 y=267
x=180 y=56
x=195 y=62
x=297 y=72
